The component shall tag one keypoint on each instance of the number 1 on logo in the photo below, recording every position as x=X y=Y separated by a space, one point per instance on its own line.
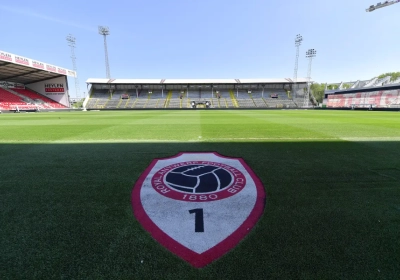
x=198 y=219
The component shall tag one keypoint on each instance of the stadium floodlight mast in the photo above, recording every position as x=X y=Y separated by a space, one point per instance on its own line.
x=105 y=31
x=72 y=44
x=310 y=54
x=297 y=43
x=381 y=5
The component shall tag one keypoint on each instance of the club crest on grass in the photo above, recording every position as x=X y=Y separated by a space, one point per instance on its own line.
x=198 y=205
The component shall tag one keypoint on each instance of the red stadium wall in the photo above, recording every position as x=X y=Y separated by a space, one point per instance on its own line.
x=377 y=98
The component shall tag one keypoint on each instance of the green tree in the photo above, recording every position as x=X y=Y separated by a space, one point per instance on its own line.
x=393 y=76
x=318 y=90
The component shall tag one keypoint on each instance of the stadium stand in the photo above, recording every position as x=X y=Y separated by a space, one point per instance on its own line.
x=38 y=99
x=383 y=99
x=36 y=84
x=177 y=94
x=381 y=92
x=25 y=99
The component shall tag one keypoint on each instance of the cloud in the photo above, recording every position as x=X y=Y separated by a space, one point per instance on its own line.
x=46 y=18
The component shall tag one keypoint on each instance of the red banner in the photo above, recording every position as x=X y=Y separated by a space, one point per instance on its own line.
x=54 y=90
x=21 y=60
x=5 y=56
x=38 y=65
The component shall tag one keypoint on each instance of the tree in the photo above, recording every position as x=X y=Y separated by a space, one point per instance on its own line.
x=393 y=76
x=318 y=90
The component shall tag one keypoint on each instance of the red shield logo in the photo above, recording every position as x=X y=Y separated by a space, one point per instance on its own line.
x=198 y=205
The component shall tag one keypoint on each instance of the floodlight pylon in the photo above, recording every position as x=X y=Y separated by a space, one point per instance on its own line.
x=105 y=31
x=310 y=54
x=297 y=42
x=72 y=44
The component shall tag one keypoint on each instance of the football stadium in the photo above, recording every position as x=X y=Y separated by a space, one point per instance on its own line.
x=264 y=178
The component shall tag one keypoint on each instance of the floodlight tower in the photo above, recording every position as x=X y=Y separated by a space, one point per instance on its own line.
x=72 y=43
x=297 y=43
x=310 y=54
x=382 y=5
x=105 y=31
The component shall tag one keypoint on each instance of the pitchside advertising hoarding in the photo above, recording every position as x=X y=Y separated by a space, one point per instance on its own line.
x=17 y=59
x=55 y=89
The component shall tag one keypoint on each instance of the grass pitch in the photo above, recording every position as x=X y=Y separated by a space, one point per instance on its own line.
x=332 y=180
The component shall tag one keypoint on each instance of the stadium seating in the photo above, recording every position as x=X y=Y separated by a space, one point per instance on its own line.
x=258 y=99
x=174 y=100
x=9 y=101
x=389 y=98
x=145 y=99
x=130 y=103
x=98 y=99
x=260 y=103
x=102 y=94
x=39 y=99
x=117 y=94
x=156 y=99
x=280 y=103
x=177 y=99
x=112 y=103
x=214 y=103
x=206 y=95
x=246 y=103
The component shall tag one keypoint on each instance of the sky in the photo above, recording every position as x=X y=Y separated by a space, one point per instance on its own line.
x=181 y=39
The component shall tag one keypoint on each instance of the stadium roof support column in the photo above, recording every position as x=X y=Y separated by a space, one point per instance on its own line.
x=297 y=43
x=310 y=54
x=105 y=31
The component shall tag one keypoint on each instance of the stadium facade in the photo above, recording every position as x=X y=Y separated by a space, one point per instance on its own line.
x=184 y=93
x=29 y=84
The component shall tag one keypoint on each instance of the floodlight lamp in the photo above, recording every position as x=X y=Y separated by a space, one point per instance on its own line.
x=311 y=53
x=70 y=38
x=298 y=40
x=104 y=30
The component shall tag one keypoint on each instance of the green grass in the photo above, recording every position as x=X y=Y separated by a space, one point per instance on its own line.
x=332 y=180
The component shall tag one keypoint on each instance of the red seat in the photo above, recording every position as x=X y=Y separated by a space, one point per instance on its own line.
x=51 y=104
x=9 y=100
